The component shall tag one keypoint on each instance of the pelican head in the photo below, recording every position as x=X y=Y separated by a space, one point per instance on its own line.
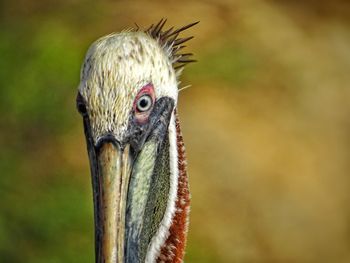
x=127 y=97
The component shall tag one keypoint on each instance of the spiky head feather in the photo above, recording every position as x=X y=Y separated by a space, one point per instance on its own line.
x=171 y=42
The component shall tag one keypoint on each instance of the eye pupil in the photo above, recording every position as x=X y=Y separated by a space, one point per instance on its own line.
x=144 y=103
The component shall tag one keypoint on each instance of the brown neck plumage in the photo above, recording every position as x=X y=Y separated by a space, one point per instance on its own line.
x=173 y=249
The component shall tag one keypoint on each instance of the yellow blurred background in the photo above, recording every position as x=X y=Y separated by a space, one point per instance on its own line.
x=266 y=124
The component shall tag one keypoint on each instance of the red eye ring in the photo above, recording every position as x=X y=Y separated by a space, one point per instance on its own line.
x=143 y=103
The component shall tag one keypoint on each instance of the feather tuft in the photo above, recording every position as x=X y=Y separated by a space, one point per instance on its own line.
x=170 y=41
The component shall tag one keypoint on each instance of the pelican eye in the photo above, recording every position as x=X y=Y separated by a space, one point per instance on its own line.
x=144 y=103
x=81 y=105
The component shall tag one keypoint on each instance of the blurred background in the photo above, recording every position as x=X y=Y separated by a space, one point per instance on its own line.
x=266 y=124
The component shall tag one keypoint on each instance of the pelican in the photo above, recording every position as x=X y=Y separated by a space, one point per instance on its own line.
x=127 y=97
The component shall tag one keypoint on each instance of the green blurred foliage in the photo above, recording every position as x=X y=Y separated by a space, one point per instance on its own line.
x=43 y=207
x=45 y=65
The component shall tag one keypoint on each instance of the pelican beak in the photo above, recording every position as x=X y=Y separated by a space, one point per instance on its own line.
x=122 y=186
x=110 y=194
